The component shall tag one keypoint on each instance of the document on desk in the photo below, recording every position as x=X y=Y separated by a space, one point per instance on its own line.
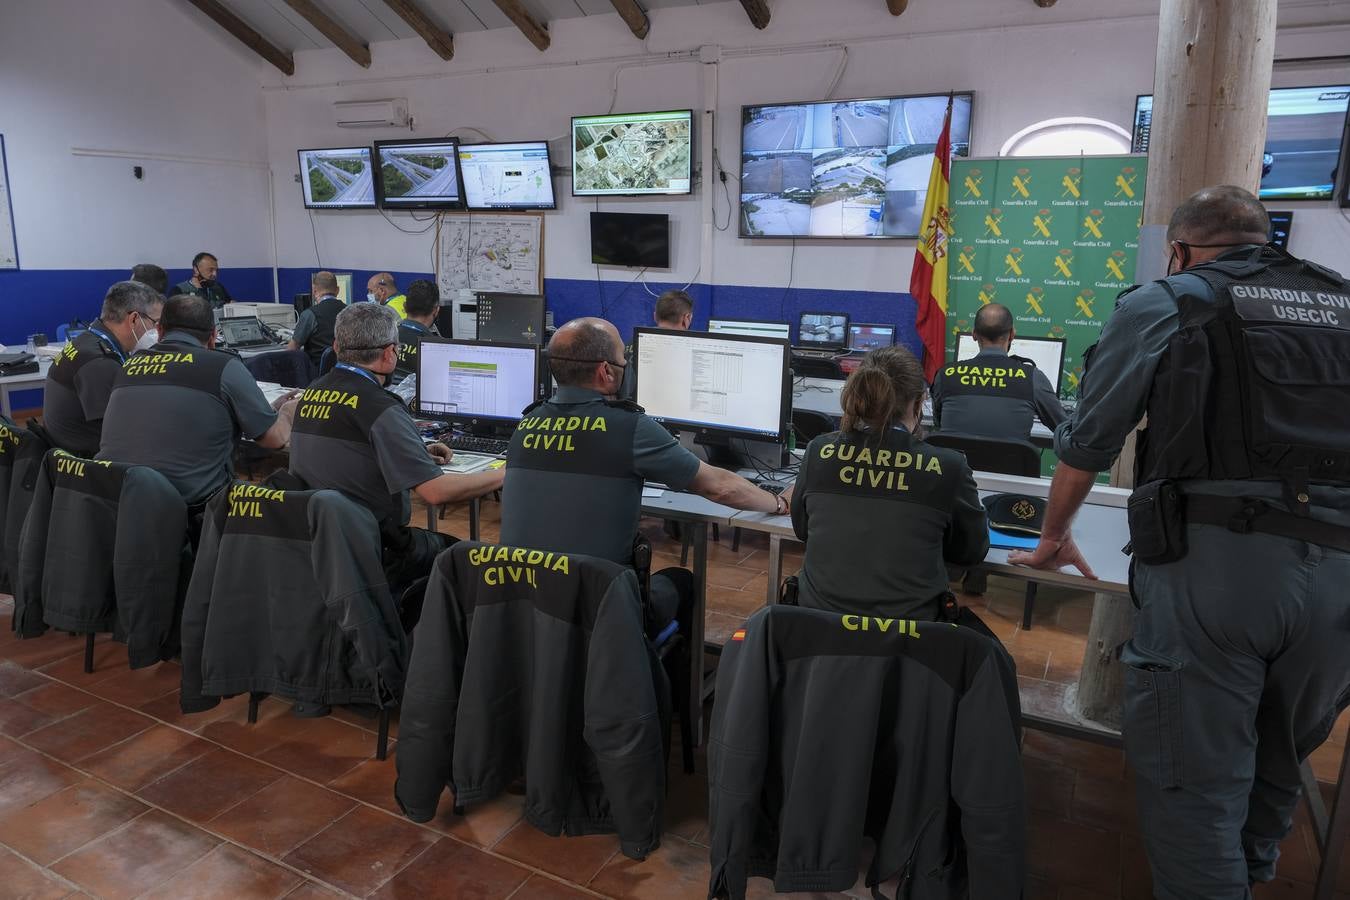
x=463 y=463
x=652 y=491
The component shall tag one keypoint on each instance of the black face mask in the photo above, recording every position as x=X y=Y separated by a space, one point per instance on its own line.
x=206 y=282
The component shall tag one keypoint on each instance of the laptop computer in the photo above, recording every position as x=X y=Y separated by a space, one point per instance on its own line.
x=243 y=332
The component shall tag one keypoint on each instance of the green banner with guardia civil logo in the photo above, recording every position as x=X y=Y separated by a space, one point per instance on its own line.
x=1054 y=240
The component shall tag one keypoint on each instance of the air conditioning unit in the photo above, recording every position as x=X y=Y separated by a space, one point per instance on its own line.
x=371 y=113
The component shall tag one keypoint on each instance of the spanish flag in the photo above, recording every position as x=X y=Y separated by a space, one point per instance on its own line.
x=928 y=283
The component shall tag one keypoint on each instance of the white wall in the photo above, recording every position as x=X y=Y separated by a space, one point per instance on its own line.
x=1089 y=57
x=149 y=78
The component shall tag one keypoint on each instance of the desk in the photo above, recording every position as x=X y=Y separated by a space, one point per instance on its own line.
x=33 y=380
x=822 y=395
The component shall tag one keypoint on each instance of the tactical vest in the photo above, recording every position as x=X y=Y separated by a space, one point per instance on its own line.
x=1254 y=385
x=325 y=326
x=176 y=364
x=1009 y=378
x=343 y=406
x=409 y=341
x=553 y=441
x=79 y=350
x=893 y=466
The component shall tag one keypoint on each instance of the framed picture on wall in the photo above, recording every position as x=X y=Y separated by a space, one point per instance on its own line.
x=9 y=248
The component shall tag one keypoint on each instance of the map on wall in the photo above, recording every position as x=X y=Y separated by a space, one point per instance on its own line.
x=501 y=254
x=9 y=251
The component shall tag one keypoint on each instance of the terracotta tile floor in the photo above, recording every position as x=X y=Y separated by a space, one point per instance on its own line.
x=107 y=790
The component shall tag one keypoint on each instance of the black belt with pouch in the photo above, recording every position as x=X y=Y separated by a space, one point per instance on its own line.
x=1159 y=512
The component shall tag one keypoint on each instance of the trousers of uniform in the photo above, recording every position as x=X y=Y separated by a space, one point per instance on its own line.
x=409 y=554
x=1236 y=672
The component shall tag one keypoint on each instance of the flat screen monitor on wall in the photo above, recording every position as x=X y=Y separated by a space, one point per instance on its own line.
x=507 y=176
x=630 y=239
x=338 y=178
x=633 y=153
x=843 y=168
x=1305 y=130
x=422 y=174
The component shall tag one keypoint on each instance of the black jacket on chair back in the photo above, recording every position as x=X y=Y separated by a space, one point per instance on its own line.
x=535 y=664
x=830 y=728
x=288 y=597
x=22 y=479
x=102 y=550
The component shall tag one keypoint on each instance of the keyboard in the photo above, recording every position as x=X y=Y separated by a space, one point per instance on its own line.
x=476 y=444
x=772 y=487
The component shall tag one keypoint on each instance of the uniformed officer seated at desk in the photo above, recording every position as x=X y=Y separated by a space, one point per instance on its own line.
x=674 y=311
x=881 y=511
x=353 y=436
x=180 y=406
x=424 y=304
x=1240 y=529
x=577 y=463
x=382 y=289
x=205 y=281
x=315 y=328
x=80 y=380
x=993 y=394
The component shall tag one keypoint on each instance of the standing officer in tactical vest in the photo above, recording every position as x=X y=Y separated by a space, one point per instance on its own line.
x=315 y=327
x=352 y=435
x=180 y=406
x=1240 y=529
x=577 y=462
x=993 y=394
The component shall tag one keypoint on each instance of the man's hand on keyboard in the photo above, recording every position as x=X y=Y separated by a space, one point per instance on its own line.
x=441 y=453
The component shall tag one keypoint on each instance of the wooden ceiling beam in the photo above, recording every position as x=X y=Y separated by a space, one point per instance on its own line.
x=633 y=16
x=897 y=6
x=441 y=41
x=537 y=34
x=1045 y=4
x=758 y=11
x=343 y=39
x=251 y=39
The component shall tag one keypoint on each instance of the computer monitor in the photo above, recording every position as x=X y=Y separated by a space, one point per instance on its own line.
x=418 y=174
x=475 y=383
x=507 y=176
x=243 y=331
x=728 y=385
x=338 y=178
x=863 y=337
x=1046 y=353
x=752 y=327
x=302 y=302
x=344 y=280
x=1281 y=221
x=511 y=318
x=822 y=331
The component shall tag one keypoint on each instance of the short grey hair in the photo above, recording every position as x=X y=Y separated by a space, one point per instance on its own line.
x=324 y=281
x=126 y=297
x=576 y=349
x=363 y=331
x=1223 y=214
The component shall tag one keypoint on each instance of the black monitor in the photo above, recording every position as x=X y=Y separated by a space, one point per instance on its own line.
x=418 y=174
x=630 y=239
x=511 y=318
x=720 y=385
x=1281 y=221
x=302 y=302
x=474 y=383
x=863 y=336
x=507 y=176
x=822 y=331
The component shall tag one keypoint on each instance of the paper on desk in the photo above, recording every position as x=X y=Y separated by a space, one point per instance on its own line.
x=650 y=491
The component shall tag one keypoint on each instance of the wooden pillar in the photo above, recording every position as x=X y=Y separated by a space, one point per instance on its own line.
x=1211 y=82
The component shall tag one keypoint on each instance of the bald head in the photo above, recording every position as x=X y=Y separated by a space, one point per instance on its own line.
x=381 y=286
x=1220 y=215
x=578 y=349
x=993 y=325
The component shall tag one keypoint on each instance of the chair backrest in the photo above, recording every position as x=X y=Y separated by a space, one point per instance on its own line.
x=327 y=361
x=288 y=368
x=986 y=454
x=810 y=424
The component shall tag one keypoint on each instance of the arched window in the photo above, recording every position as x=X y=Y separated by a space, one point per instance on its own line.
x=1068 y=136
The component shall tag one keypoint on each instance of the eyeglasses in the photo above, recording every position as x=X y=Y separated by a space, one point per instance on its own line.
x=573 y=359
x=376 y=347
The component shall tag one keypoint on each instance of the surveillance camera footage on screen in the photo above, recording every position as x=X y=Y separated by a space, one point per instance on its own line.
x=1305 y=128
x=847 y=168
x=337 y=179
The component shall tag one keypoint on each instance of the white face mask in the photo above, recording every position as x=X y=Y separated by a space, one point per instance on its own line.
x=370 y=296
x=147 y=340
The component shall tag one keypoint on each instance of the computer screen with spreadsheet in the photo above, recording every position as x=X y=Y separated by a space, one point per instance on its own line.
x=727 y=384
x=471 y=381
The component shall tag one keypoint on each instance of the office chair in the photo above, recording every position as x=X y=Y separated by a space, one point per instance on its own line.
x=327 y=361
x=809 y=424
x=986 y=454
